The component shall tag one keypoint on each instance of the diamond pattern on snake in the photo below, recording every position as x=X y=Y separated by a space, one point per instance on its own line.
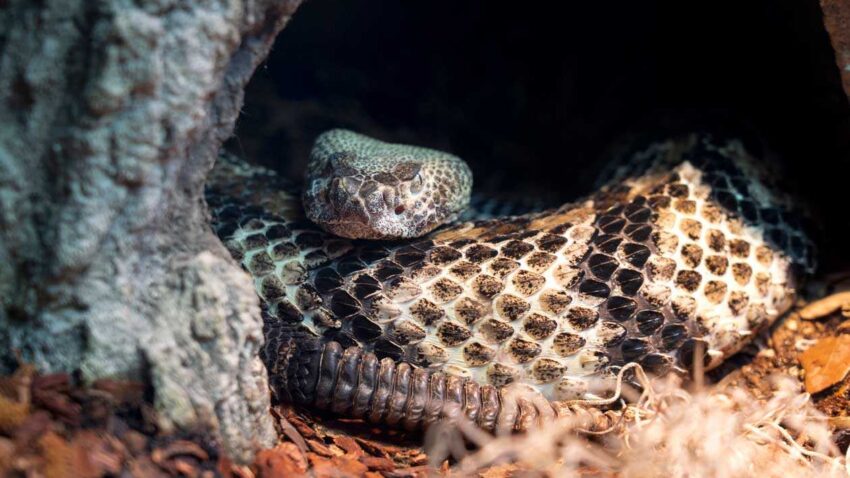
x=687 y=249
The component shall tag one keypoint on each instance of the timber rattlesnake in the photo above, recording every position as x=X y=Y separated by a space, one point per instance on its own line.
x=687 y=249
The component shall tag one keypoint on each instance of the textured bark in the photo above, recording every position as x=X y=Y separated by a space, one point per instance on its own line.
x=111 y=114
x=836 y=18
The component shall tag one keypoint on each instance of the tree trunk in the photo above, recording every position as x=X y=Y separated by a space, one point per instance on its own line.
x=111 y=114
x=836 y=18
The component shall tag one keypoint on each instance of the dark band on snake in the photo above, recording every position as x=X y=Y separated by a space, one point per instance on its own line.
x=687 y=249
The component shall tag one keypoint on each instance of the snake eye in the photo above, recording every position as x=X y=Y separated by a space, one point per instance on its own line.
x=407 y=170
x=399 y=209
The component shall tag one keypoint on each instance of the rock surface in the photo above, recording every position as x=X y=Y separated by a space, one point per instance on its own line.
x=111 y=114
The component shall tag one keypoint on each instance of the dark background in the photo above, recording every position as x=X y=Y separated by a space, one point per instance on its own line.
x=532 y=94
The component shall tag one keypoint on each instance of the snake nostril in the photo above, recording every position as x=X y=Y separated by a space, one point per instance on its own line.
x=399 y=209
x=337 y=192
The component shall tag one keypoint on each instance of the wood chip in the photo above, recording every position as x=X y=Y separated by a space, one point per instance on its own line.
x=417 y=459
x=283 y=460
x=349 y=445
x=98 y=454
x=57 y=403
x=143 y=466
x=122 y=391
x=287 y=413
x=502 y=471
x=292 y=433
x=12 y=414
x=826 y=363
x=376 y=448
x=135 y=442
x=184 y=467
x=238 y=471
x=320 y=448
x=179 y=447
x=33 y=427
x=54 y=382
x=378 y=463
x=826 y=306
x=412 y=472
x=337 y=467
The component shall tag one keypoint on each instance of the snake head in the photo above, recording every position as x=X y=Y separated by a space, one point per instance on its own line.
x=361 y=188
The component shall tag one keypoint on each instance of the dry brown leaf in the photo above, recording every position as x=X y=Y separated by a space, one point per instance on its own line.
x=823 y=307
x=826 y=363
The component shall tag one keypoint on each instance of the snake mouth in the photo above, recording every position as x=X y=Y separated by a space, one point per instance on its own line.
x=351 y=229
x=353 y=222
x=380 y=214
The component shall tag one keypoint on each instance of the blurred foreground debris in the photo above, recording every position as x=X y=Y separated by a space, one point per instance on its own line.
x=51 y=427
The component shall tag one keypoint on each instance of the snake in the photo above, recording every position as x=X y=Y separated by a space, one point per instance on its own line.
x=381 y=301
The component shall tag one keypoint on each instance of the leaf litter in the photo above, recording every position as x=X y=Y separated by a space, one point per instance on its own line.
x=760 y=416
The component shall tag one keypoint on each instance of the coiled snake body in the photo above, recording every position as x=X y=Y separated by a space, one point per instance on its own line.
x=688 y=249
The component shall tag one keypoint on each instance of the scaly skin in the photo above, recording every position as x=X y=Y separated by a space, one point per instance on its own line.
x=361 y=188
x=689 y=250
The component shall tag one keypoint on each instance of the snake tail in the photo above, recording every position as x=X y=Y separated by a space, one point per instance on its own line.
x=349 y=381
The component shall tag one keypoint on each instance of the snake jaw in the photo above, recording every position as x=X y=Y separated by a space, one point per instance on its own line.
x=361 y=188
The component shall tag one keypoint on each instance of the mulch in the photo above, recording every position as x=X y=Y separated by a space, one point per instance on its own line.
x=51 y=426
